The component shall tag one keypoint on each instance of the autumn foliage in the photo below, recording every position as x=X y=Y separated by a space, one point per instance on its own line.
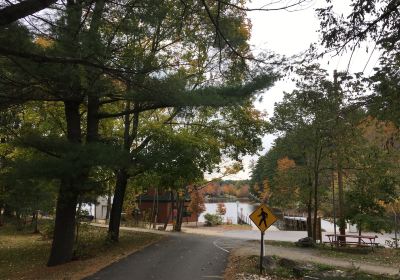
x=220 y=189
x=197 y=205
x=221 y=209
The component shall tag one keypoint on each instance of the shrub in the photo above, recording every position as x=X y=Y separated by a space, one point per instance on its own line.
x=47 y=231
x=212 y=220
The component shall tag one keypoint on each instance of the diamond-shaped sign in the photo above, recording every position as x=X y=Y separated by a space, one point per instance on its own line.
x=263 y=217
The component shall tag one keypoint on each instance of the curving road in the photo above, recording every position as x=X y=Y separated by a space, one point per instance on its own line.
x=176 y=257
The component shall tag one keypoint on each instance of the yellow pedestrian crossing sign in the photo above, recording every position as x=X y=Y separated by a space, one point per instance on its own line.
x=263 y=217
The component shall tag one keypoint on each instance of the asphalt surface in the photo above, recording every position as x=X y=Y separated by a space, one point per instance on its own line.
x=176 y=257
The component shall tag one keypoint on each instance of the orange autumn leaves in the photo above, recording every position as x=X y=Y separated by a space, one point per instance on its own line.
x=284 y=182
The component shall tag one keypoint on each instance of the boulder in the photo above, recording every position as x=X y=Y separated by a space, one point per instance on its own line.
x=287 y=263
x=305 y=242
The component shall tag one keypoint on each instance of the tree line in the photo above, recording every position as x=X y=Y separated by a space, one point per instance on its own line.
x=337 y=146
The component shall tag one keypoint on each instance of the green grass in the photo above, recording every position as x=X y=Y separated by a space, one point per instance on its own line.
x=20 y=250
x=323 y=267
x=384 y=256
x=280 y=243
x=282 y=272
x=23 y=255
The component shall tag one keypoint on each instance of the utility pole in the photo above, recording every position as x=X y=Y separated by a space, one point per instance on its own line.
x=339 y=154
x=334 y=204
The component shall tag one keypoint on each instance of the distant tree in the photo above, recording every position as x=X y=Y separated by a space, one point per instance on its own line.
x=265 y=192
x=211 y=189
x=221 y=209
x=371 y=189
x=197 y=205
x=243 y=191
x=228 y=189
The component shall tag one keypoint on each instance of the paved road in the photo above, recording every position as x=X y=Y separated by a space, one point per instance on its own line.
x=178 y=257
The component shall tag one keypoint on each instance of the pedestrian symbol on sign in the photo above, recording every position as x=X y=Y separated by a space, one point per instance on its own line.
x=264 y=217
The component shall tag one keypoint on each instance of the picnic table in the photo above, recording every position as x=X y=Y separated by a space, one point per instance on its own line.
x=359 y=240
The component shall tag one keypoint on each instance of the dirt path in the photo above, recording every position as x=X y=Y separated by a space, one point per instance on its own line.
x=304 y=254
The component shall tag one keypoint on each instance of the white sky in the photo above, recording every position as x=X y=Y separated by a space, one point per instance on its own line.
x=289 y=33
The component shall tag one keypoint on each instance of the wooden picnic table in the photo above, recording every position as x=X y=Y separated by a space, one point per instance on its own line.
x=342 y=240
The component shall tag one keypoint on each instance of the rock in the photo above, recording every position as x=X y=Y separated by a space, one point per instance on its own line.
x=330 y=274
x=287 y=263
x=299 y=271
x=268 y=261
x=305 y=242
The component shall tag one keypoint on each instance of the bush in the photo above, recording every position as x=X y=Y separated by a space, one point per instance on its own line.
x=47 y=230
x=212 y=220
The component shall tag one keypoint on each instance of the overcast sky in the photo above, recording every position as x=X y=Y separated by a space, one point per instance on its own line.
x=289 y=33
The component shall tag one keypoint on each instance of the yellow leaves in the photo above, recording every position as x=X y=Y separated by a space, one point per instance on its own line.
x=265 y=195
x=233 y=168
x=285 y=164
x=244 y=29
x=380 y=133
x=119 y=85
x=229 y=189
x=391 y=207
x=44 y=42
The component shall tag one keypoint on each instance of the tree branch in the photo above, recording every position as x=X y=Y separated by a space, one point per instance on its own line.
x=25 y=8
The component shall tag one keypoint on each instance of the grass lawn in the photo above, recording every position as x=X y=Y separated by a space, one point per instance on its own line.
x=384 y=256
x=23 y=255
x=380 y=255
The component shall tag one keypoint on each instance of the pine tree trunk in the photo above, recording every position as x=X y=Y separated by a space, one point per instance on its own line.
x=116 y=210
x=64 y=230
x=122 y=176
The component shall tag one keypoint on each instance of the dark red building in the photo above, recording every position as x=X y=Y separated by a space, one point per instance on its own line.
x=161 y=205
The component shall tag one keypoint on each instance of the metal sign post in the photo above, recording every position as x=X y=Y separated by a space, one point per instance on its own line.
x=261 y=252
x=263 y=218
